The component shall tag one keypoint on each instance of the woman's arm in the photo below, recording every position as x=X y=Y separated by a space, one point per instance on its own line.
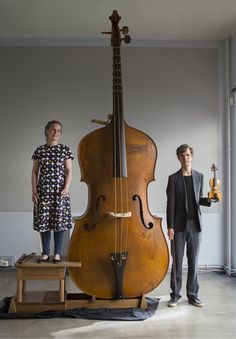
x=68 y=177
x=34 y=180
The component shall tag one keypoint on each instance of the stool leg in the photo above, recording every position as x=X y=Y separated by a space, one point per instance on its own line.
x=23 y=286
x=19 y=290
x=62 y=290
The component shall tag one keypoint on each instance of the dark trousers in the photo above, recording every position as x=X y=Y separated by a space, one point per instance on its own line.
x=192 y=238
x=46 y=238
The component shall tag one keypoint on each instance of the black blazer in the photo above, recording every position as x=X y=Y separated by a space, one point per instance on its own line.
x=177 y=200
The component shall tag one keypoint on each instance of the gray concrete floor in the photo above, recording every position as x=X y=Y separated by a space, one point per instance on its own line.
x=217 y=319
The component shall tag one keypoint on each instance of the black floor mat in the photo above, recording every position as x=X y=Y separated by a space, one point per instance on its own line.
x=128 y=314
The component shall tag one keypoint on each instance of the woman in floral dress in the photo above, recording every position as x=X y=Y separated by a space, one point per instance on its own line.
x=51 y=178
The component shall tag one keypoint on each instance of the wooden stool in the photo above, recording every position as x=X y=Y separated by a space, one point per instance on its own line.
x=29 y=269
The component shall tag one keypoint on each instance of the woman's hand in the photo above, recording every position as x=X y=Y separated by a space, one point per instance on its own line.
x=68 y=176
x=64 y=193
x=35 y=198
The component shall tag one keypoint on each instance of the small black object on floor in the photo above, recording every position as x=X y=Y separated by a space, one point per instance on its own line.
x=128 y=314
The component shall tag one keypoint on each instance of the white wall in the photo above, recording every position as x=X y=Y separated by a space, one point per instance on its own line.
x=232 y=62
x=172 y=94
x=232 y=145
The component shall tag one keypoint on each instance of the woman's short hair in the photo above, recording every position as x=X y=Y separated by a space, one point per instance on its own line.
x=183 y=148
x=49 y=124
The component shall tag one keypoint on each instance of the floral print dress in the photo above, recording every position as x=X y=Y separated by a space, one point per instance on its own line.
x=53 y=212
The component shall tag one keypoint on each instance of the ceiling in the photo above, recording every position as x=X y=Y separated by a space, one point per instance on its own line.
x=147 y=19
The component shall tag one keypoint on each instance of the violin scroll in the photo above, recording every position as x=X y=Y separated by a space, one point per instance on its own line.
x=116 y=31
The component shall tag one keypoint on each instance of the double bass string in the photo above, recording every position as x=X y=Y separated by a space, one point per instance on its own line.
x=120 y=170
x=115 y=186
x=119 y=198
x=115 y=127
x=127 y=209
x=122 y=152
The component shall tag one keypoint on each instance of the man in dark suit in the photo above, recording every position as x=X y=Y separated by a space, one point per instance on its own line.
x=184 y=197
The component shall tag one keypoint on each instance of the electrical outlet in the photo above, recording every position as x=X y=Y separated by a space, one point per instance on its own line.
x=6 y=261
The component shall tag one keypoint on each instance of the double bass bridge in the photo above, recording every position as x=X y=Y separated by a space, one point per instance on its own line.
x=119 y=215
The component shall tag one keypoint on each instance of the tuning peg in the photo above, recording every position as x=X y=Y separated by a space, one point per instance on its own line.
x=106 y=32
x=127 y=39
x=125 y=30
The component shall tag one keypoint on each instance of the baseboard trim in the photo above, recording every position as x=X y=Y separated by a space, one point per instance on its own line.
x=229 y=271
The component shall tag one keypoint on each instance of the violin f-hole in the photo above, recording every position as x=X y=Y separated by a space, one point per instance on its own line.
x=146 y=225
x=88 y=227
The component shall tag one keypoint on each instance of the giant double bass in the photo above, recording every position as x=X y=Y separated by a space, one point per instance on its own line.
x=121 y=246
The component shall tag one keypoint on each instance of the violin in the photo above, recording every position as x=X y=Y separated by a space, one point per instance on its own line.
x=214 y=195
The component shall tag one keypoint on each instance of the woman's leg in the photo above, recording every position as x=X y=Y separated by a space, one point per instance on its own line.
x=46 y=237
x=58 y=240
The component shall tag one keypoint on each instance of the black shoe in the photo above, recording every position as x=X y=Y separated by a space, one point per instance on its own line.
x=43 y=260
x=56 y=260
x=195 y=302
x=173 y=302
